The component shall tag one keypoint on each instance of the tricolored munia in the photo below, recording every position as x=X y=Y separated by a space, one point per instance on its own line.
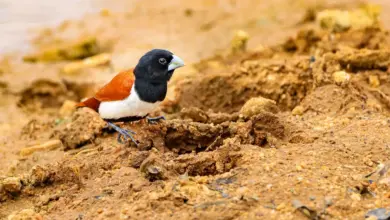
x=134 y=93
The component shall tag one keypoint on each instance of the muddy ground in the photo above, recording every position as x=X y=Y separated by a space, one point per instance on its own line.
x=289 y=125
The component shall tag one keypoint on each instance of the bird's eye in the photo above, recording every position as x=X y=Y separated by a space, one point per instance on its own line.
x=162 y=61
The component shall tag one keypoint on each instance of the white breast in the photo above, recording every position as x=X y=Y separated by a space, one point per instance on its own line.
x=128 y=107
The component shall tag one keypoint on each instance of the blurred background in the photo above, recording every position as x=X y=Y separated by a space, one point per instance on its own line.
x=198 y=28
x=18 y=18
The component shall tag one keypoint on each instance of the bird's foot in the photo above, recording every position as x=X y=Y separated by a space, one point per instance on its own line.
x=155 y=120
x=123 y=134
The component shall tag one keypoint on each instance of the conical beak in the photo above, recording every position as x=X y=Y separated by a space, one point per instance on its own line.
x=175 y=63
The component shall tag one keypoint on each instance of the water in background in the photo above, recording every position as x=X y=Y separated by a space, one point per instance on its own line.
x=18 y=17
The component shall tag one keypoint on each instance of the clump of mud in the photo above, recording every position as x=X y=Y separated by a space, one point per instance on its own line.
x=84 y=126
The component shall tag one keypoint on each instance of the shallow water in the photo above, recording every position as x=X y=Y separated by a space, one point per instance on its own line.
x=19 y=17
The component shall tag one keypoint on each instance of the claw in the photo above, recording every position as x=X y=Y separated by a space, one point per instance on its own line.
x=154 y=120
x=123 y=134
x=119 y=138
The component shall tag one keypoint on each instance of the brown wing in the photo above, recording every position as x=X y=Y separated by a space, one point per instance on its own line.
x=118 y=88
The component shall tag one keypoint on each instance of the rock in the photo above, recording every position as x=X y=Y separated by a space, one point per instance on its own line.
x=47 y=146
x=25 y=214
x=137 y=159
x=67 y=108
x=308 y=212
x=85 y=125
x=97 y=60
x=3 y=194
x=298 y=110
x=239 y=41
x=69 y=51
x=374 y=81
x=12 y=185
x=334 y=20
x=341 y=77
x=258 y=105
x=380 y=214
x=153 y=168
x=328 y=201
x=356 y=196
x=281 y=206
x=341 y=20
x=39 y=176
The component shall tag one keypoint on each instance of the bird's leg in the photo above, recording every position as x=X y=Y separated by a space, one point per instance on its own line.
x=155 y=119
x=123 y=133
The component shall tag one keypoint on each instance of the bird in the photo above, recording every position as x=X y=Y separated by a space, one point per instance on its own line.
x=134 y=93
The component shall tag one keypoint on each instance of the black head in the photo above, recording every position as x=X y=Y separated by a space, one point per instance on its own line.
x=157 y=66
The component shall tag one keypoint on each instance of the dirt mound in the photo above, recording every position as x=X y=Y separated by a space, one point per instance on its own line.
x=287 y=82
x=282 y=132
x=83 y=127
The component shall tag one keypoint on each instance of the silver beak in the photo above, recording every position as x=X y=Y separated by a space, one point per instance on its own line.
x=175 y=63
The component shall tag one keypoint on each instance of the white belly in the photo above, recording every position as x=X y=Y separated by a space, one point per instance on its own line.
x=128 y=107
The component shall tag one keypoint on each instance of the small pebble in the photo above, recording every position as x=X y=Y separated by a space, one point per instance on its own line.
x=239 y=41
x=12 y=184
x=356 y=197
x=328 y=201
x=255 y=106
x=281 y=206
x=374 y=81
x=341 y=77
x=298 y=110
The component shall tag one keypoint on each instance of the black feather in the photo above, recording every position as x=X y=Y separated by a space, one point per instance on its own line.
x=152 y=76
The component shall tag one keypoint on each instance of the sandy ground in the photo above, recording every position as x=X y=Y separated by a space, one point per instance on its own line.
x=289 y=128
